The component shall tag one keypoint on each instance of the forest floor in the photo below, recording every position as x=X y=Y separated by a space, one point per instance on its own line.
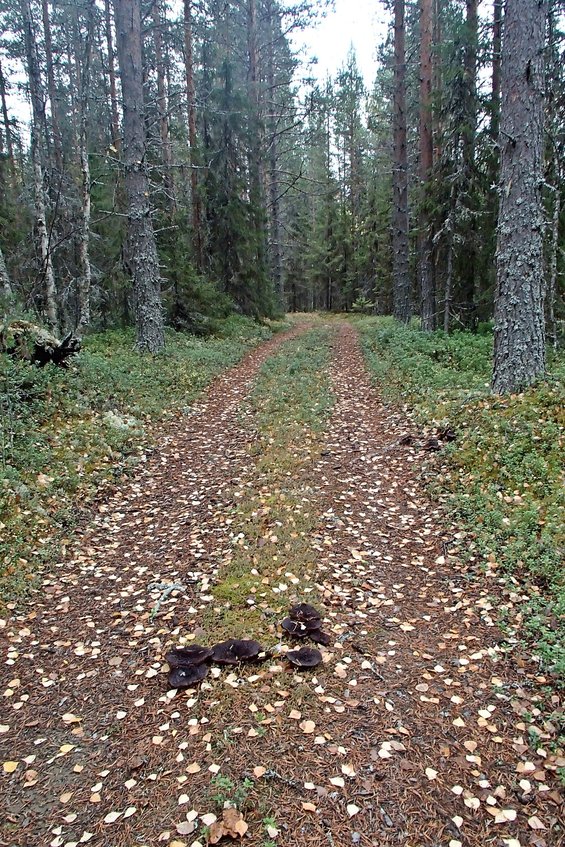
x=423 y=727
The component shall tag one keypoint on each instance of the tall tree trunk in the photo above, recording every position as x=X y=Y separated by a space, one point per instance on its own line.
x=425 y=241
x=52 y=89
x=194 y=160
x=274 y=189
x=555 y=170
x=162 y=109
x=83 y=75
x=402 y=287
x=468 y=138
x=7 y=124
x=496 y=59
x=37 y=124
x=257 y=139
x=553 y=265
x=519 y=334
x=141 y=250
x=116 y=138
x=5 y=285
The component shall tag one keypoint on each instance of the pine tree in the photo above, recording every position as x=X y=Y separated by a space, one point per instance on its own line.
x=402 y=286
x=519 y=337
x=141 y=250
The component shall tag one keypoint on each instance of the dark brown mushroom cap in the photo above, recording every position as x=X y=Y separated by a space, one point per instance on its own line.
x=295 y=628
x=304 y=613
x=187 y=676
x=319 y=637
x=194 y=654
x=306 y=657
x=235 y=650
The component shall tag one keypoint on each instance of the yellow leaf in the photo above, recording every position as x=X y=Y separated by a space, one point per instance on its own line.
x=10 y=767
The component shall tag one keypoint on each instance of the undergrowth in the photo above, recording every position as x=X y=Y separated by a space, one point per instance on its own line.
x=65 y=433
x=502 y=478
x=272 y=521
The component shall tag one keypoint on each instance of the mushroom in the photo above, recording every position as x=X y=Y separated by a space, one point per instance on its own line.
x=295 y=628
x=195 y=654
x=306 y=657
x=234 y=650
x=319 y=637
x=187 y=676
x=305 y=613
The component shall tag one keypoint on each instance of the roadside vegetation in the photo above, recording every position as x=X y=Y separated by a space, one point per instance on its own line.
x=64 y=434
x=501 y=479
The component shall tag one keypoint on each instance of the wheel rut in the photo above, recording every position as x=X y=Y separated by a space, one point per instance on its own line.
x=410 y=733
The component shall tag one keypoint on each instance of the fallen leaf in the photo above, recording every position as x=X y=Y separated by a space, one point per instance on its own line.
x=502 y=815
x=185 y=827
x=9 y=767
x=193 y=768
x=535 y=823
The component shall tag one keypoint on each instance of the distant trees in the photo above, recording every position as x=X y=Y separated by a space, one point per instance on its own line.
x=211 y=173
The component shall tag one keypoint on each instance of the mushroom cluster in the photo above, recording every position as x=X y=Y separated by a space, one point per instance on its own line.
x=304 y=621
x=189 y=665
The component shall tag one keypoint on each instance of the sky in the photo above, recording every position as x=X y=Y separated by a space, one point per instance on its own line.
x=361 y=23
x=358 y=23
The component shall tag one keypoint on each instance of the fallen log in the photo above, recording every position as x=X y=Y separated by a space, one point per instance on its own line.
x=31 y=343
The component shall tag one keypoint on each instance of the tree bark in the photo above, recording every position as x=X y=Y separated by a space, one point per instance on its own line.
x=162 y=109
x=402 y=287
x=52 y=89
x=83 y=75
x=141 y=250
x=6 y=122
x=5 y=285
x=195 y=199
x=274 y=189
x=468 y=139
x=38 y=115
x=553 y=267
x=519 y=335
x=496 y=58
x=115 y=119
x=425 y=242
x=257 y=135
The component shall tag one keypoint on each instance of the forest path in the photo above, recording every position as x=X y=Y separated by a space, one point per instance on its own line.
x=410 y=732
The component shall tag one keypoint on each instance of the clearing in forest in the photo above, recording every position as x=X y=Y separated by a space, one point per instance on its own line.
x=287 y=483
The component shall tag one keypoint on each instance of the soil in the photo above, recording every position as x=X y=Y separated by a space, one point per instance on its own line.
x=415 y=731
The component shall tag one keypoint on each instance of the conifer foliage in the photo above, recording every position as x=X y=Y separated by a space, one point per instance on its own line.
x=169 y=162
